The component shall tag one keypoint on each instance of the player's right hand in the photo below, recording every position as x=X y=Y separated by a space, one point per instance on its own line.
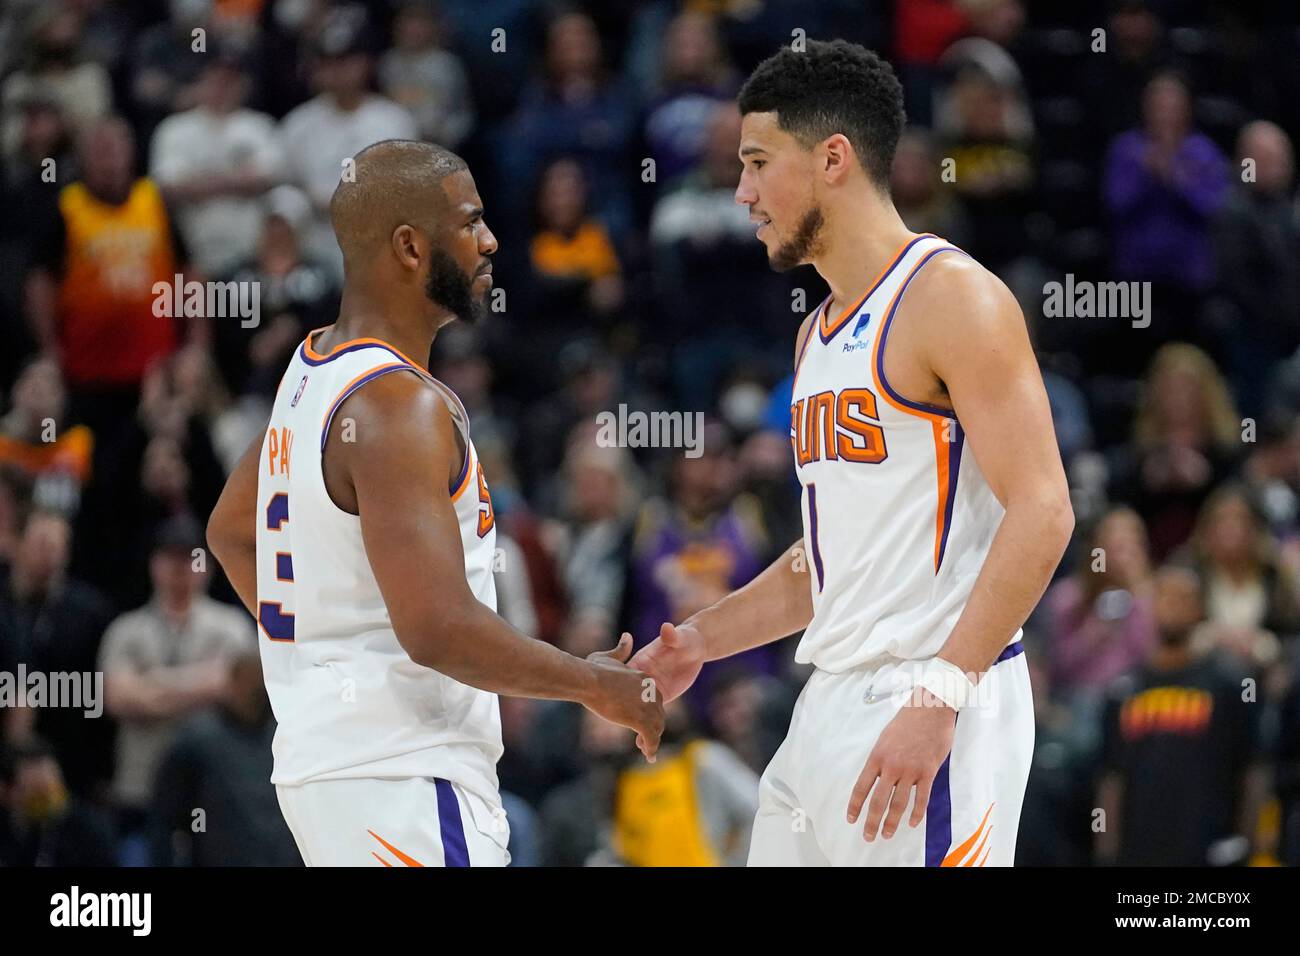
x=627 y=697
x=673 y=659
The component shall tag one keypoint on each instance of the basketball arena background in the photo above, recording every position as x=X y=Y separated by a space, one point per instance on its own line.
x=1163 y=296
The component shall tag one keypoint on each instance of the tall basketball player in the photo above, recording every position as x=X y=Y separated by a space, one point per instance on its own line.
x=359 y=532
x=935 y=505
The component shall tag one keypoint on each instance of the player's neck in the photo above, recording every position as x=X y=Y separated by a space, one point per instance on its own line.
x=861 y=241
x=363 y=314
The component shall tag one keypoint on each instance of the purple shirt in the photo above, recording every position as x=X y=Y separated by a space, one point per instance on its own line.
x=677 y=563
x=1092 y=646
x=1161 y=228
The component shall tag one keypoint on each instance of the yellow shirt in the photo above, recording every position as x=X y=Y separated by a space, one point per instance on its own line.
x=588 y=254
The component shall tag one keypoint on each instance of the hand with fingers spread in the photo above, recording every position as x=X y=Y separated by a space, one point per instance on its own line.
x=673 y=659
x=907 y=756
x=626 y=696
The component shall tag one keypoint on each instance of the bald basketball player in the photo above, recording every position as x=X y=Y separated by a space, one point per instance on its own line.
x=359 y=531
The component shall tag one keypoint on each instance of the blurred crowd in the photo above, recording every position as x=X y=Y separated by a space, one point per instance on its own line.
x=1130 y=140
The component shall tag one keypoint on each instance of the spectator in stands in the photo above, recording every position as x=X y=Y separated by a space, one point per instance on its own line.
x=164 y=64
x=1251 y=597
x=1100 y=621
x=50 y=458
x=297 y=294
x=175 y=469
x=344 y=118
x=591 y=538
x=920 y=195
x=93 y=298
x=92 y=301
x=1164 y=183
x=701 y=210
x=54 y=66
x=984 y=126
x=577 y=110
x=1181 y=783
x=706 y=261
x=696 y=78
x=1112 y=85
x=220 y=767
x=694 y=546
x=693 y=807
x=1186 y=439
x=41 y=823
x=1258 y=246
x=1272 y=475
x=749 y=714
x=52 y=622
x=28 y=179
x=214 y=162
x=161 y=663
x=420 y=73
x=767 y=480
x=574 y=263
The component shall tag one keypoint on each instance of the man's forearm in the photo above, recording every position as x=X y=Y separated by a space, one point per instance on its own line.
x=476 y=646
x=774 y=605
x=1025 y=551
x=240 y=564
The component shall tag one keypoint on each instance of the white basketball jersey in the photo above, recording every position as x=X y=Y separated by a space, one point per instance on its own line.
x=898 y=518
x=348 y=700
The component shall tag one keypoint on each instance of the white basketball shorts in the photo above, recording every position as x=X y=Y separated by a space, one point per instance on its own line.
x=974 y=808
x=404 y=821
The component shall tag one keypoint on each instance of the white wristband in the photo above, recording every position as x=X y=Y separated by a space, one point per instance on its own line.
x=947 y=681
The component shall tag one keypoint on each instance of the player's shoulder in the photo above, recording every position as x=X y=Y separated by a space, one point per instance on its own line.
x=954 y=272
x=954 y=292
x=405 y=400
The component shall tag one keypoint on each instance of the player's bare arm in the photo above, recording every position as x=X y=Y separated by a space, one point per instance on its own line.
x=232 y=537
x=776 y=604
x=396 y=476
x=962 y=343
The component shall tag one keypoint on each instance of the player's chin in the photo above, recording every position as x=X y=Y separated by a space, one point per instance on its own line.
x=780 y=261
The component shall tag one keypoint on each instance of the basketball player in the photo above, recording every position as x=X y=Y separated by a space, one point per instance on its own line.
x=360 y=533
x=934 y=502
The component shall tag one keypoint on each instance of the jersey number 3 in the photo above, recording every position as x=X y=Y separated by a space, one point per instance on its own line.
x=276 y=622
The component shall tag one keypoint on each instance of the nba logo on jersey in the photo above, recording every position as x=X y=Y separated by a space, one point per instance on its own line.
x=298 y=394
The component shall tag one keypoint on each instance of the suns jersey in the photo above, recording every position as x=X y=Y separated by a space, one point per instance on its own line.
x=897 y=516
x=348 y=700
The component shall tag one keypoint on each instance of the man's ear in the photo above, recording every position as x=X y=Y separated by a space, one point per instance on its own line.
x=838 y=156
x=408 y=247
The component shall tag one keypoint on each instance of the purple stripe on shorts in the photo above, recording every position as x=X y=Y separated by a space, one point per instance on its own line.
x=938 y=818
x=454 y=850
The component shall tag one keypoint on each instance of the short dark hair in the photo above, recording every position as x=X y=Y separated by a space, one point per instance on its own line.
x=832 y=87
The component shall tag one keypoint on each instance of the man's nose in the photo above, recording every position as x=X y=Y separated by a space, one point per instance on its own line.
x=745 y=194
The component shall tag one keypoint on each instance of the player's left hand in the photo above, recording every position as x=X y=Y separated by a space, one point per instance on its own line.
x=909 y=753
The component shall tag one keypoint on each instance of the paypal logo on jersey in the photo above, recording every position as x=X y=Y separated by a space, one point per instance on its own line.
x=863 y=320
